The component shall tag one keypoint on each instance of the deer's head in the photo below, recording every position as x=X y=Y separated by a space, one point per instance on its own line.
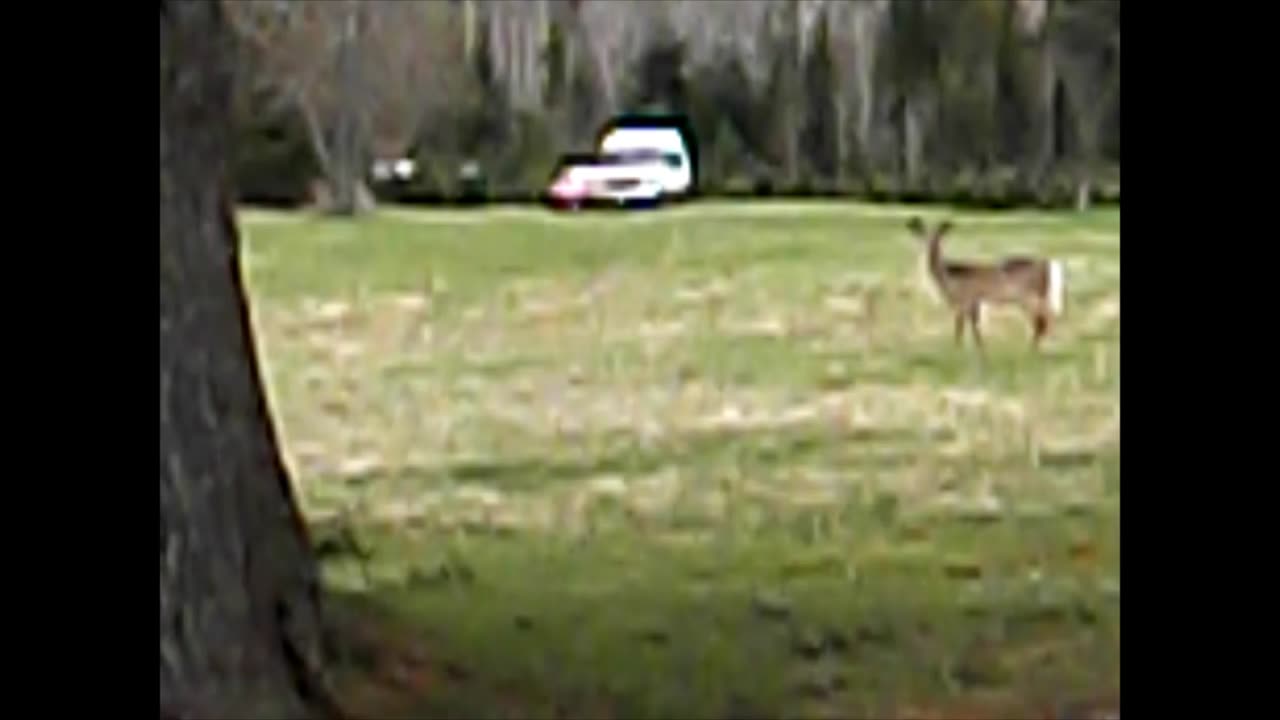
x=916 y=226
x=918 y=229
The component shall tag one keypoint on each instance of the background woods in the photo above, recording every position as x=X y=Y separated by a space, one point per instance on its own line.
x=988 y=101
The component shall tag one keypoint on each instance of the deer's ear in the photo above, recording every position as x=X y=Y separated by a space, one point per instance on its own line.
x=916 y=225
x=944 y=227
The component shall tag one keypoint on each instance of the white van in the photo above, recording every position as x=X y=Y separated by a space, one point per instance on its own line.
x=637 y=163
x=661 y=150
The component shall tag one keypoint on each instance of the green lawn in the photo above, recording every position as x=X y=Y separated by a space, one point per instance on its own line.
x=718 y=461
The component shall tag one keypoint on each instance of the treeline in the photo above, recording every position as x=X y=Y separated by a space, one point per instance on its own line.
x=995 y=102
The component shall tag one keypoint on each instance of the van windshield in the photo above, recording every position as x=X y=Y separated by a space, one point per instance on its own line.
x=623 y=157
x=648 y=155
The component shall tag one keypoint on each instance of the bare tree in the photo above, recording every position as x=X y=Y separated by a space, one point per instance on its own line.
x=911 y=60
x=240 y=616
x=1084 y=40
x=518 y=32
x=1079 y=63
x=363 y=74
x=782 y=30
x=309 y=54
x=602 y=25
x=1033 y=16
x=412 y=65
x=868 y=26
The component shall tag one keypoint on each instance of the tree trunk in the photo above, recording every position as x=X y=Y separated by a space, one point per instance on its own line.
x=1091 y=119
x=913 y=139
x=347 y=166
x=866 y=28
x=468 y=29
x=842 y=145
x=604 y=72
x=1048 y=86
x=240 y=632
x=790 y=95
x=1084 y=192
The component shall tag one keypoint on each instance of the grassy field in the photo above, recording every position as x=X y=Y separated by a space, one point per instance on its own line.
x=719 y=461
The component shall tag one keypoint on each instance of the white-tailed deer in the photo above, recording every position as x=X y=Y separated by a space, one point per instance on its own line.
x=1037 y=285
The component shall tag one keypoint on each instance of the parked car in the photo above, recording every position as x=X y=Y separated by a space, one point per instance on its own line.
x=592 y=180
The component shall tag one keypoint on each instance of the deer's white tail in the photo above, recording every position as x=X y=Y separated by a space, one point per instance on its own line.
x=1057 y=287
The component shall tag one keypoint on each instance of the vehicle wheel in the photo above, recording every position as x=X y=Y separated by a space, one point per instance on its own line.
x=643 y=203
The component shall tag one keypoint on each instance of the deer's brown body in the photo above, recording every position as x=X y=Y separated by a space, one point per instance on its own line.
x=1037 y=285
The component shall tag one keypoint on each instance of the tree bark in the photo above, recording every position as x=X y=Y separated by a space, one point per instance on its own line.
x=347 y=165
x=786 y=28
x=842 y=145
x=240 y=624
x=913 y=139
x=468 y=29
x=866 y=29
x=1048 y=87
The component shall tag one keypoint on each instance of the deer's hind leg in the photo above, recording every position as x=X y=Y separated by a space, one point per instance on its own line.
x=1040 y=323
x=1039 y=316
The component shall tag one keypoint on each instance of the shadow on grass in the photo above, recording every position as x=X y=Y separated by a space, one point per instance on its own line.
x=760 y=449
x=873 y=658
x=496 y=629
x=1070 y=459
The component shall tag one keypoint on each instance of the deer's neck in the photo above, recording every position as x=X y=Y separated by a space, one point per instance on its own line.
x=934 y=262
x=931 y=274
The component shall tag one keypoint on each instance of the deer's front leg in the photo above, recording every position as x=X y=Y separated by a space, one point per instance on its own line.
x=975 y=317
x=960 y=320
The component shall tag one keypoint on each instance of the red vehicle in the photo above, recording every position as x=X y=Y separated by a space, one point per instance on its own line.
x=608 y=179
